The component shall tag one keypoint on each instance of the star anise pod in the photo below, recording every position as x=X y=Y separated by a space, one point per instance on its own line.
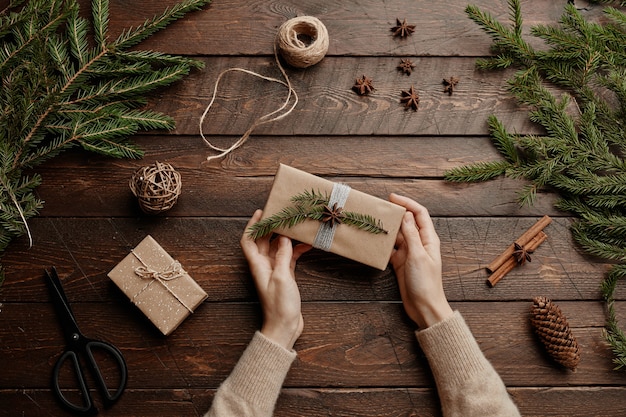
x=402 y=29
x=410 y=99
x=333 y=215
x=521 y=255
x=406 y=66
x=363 y=86
x=449 y=84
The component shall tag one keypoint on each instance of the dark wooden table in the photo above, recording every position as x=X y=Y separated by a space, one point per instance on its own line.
x=357 y=355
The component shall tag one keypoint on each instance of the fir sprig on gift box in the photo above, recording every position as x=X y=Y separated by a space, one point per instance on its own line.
x=313 y=205
x=62 y=88
x=581 y=155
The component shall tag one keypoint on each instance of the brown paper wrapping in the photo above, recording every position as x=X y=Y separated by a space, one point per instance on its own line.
x=359 y=245
x=165 y=308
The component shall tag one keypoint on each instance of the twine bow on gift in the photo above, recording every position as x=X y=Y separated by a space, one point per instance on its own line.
x=172 y=272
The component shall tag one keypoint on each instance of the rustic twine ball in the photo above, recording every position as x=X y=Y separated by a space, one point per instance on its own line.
x=156 y=187
x=302 y=41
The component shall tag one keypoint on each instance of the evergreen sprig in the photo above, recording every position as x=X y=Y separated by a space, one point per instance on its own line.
x=310 y=205
x=62 y=87
x=581 y=155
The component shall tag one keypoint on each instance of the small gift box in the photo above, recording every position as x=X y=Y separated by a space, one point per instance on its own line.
x=158 y=285
x=331 y=216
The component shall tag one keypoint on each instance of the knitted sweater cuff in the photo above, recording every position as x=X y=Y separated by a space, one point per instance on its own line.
x=259 y=375
x=451 y=349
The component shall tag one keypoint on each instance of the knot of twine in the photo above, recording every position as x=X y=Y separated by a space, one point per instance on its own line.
x=156 y=186
x=302 y=42
x=173 y=271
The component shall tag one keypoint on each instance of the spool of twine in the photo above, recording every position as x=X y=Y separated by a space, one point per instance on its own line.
x=302 y=42
x=156 y=187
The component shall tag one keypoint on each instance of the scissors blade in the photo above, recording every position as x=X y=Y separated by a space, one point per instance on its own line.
x=62 y=305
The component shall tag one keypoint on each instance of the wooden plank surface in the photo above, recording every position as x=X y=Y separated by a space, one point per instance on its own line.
x=348 y=344
x=358 y=355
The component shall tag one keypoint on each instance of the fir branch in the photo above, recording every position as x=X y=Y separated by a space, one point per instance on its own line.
x=582 y=153
x=478 y=172
x=77 y=34
x=364 y=222
x=610 y=201
x=288 y=217
x=311 y=198
x=148 y=120
x=9 y=52
x=503 y=141
x=100 y=13
x=132 y=37
x=147 y=82
x=62 y=88
x=507 y=42
x=309 y=205
x=612 y=332
x=620 y=2
x=159 y=58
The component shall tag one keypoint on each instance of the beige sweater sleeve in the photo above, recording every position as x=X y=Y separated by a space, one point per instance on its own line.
x=253 y=386
x=467 y=383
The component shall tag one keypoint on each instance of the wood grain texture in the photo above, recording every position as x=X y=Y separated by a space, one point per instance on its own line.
x=369 y=344
x=358 y=355
x=239 y=27
x=85 y=249
x=314 y=402
x=328 y=106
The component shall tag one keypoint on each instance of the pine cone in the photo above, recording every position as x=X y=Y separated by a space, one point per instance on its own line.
x=553 y=330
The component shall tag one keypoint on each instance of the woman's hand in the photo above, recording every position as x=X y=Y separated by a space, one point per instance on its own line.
x=272 y=265
x=417 y=263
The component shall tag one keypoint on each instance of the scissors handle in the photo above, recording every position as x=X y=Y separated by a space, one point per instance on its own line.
x=88 y=406
x=108 y=399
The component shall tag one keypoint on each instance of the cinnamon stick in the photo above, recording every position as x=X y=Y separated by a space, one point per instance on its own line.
x=508 y=265
x=522 y=241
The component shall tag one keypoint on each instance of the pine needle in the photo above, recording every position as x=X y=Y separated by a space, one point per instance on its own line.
x=66 y=84
x=309 y=205
x=580 y=156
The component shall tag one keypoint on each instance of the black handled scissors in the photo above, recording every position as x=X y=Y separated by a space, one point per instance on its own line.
x=79 y=348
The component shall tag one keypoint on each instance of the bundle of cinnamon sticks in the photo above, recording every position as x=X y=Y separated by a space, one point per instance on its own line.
x=527 y=242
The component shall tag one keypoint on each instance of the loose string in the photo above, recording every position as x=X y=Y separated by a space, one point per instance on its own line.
x=287 y=41
x=19 y=209
x=173 y=271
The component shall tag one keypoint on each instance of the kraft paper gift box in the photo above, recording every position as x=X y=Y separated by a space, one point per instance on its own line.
x=158 y=285
x=350 y=242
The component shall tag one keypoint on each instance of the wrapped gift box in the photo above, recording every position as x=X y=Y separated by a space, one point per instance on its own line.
x=157 y=285
x=350 y=242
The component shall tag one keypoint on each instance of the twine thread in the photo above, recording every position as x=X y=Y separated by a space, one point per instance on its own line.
x=173 y=271
x=156 y=187
x=326 y=232
x=296 y=53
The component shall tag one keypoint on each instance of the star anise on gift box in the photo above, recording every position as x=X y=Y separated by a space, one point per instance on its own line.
x=402 y=29
x=363 y=86
x=449 y=84
x=333 y=215
x=521 y=255
x=406 y=66
x=410 y=99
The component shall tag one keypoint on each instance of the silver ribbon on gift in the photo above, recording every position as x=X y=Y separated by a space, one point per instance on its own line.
x=326 y=232
x=173 y=271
